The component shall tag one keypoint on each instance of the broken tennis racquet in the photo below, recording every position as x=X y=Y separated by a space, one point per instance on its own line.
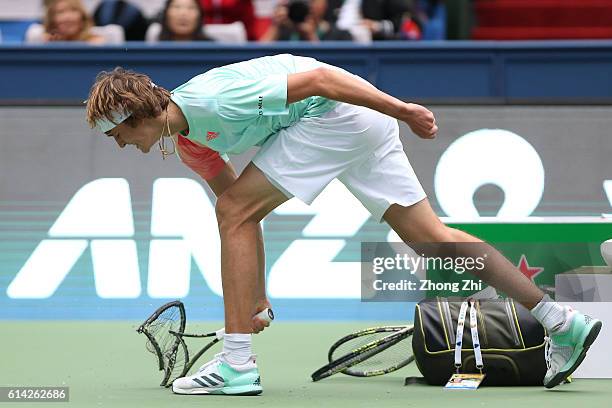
x=165 y=332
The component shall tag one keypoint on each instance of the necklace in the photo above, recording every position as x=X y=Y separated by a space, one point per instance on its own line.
x=162 y=143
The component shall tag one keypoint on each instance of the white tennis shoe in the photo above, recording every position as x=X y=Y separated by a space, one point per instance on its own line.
x=217 y=377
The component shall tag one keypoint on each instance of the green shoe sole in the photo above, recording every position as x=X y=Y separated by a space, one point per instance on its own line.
x=589 y=339
x=243 y=390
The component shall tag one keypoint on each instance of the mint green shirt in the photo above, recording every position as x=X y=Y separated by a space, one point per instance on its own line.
x=238 y=106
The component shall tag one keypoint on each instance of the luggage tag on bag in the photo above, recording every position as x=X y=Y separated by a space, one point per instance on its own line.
x=459 y=381
x=464 y=381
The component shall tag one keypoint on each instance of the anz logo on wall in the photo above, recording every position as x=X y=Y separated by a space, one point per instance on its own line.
x=99 y=218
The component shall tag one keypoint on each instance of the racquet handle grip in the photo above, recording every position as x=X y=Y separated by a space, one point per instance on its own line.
x=266 y=315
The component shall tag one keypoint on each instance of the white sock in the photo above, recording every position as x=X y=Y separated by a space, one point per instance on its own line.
x=237 y=348
x=549 y=313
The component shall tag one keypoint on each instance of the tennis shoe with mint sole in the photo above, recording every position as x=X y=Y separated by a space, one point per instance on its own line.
x=566 y=347
x=217 y=377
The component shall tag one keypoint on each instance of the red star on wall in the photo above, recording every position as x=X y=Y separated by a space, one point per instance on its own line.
x=528 y=271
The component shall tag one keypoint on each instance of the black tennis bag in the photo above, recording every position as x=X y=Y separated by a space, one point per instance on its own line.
x=511 y=340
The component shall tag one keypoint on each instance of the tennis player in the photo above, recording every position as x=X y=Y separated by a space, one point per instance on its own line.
x=314 y=122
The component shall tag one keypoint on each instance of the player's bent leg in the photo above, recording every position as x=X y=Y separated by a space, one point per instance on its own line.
x=239 y=210
x=219 y=184
x=419 y=223
x=570 y=332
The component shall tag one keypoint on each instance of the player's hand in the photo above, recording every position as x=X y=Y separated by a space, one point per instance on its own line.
x=259 y=324
x=421 y=121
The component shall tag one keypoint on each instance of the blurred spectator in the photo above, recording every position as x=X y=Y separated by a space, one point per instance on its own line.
x=230 y=11
x=181 y=20
x=431 y=14
x=67 y=20
x=124 y=14
x=385 y=19
x=302 y=20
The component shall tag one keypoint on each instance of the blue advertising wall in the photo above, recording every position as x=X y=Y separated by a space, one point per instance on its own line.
x=501 y=71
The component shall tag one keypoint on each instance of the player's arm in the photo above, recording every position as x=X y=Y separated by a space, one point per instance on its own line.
x=208 y=164
x=342 y=87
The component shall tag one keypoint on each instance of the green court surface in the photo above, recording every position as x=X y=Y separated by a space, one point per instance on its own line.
x=105 y=365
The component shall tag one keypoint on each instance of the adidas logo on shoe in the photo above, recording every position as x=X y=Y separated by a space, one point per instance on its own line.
x=214 y=380
x=257 y=381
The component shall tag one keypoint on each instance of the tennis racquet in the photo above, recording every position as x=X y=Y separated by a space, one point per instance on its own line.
x=165 y=332
x=369 y=352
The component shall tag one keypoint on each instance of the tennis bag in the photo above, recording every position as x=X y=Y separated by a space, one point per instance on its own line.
x=511 y=342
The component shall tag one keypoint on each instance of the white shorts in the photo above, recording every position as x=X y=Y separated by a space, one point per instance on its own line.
x=358 y=146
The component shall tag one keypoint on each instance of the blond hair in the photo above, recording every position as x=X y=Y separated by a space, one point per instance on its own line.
x=127 y=92
x=86 y=19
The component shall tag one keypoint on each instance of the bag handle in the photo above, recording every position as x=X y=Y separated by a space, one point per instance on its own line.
x=474 y=333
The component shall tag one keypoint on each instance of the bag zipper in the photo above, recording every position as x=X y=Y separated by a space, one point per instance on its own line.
x=511 y=322
x=448 y=319
x=483 y=326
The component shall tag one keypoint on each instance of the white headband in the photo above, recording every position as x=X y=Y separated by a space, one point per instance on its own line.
x=118 y=117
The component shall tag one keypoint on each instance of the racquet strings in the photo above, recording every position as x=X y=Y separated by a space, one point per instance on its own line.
x=175 y=362
x=357 y=342
x=389 y=357
x=169 y=319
